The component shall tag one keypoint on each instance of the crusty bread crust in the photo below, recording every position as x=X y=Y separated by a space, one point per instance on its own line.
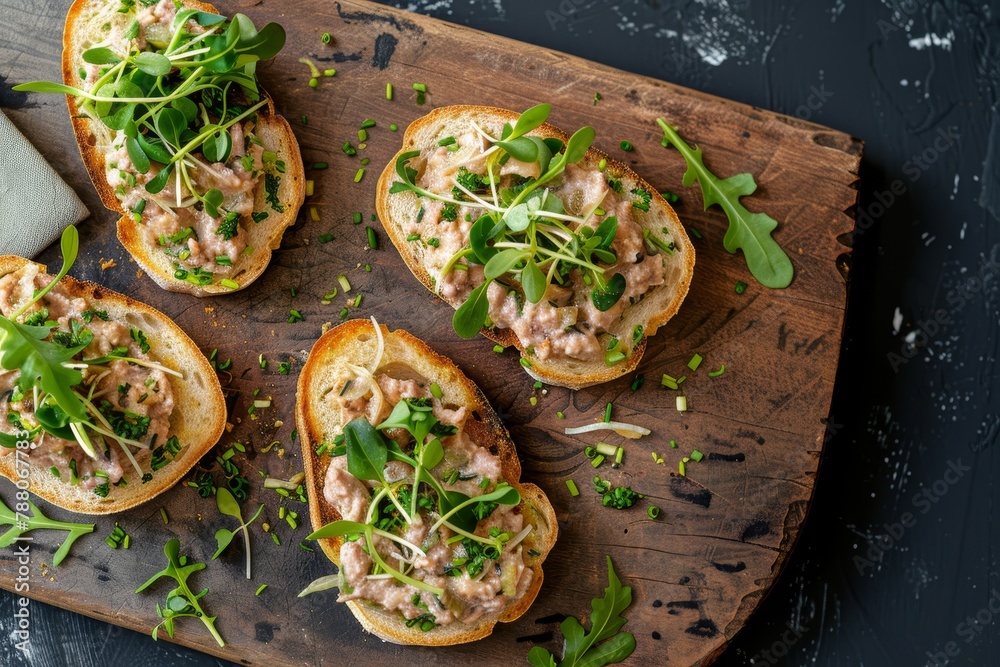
x=273 y=130
x=653 y=311
x=353 y=342
x=198 y=419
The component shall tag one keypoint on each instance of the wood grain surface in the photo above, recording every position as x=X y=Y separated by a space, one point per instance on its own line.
x=726 y=529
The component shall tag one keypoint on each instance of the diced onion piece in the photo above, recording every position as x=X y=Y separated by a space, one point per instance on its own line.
x=621 y=428
x=262 y=404
x=321 y=584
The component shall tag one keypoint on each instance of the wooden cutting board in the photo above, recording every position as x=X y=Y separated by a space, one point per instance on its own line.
x=726 y=529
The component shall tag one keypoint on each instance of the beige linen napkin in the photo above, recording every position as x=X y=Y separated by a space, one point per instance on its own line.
x=35 y=203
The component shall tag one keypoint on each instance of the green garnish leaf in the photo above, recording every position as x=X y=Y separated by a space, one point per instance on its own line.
x=181 y=601
x=750 y=232
x=152 y=63
x=366 y=450
x=522 y=149
x=533 y=282
x=583 y=649
x=38 y=521
x=529 y=120
x=228 y=506
x=100 y=56
x=471 y=315
x=605 y=297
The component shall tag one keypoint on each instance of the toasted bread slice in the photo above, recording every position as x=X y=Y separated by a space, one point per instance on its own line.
x=318 y=419
x=85 y=26
x=198 y=418
x=656 y=307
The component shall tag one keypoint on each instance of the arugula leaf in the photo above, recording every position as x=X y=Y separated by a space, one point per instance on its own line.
x=38 y=521
x=181 y=601
x=586 y=650
x=750 y=232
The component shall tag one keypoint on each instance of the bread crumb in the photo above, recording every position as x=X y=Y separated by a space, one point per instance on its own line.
x=279 y=424
x=326 y=327
x=108 y=264
x=139 y=274
x=209 y=309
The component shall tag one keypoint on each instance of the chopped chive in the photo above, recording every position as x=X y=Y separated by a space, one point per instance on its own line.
x=420 y=87
x=368 y=268
x=607 y=413
x=625 y=146
x=673 y=444
x=326 y=39
x=741 y=287
x=314 y=214
x=362 y=135
x=262 y=361
x=668 y=382
x=590 y=452
x=413 y=237
x=163 y=515
x=357 y=300
x=533 y=400
x=229 y=283
x=653 y=512
x=447 y=141
x=681 y=468
x=359 y=175
x=310 y=188
x=498 y=349
x=618 y=457
x=682 y=404
x=597 y=98
x=436 y=390
x=695 y=362
x=365 y=161
x=372 y=238
x=320 y=165
x=538 y=384
x=393 y=127
x=673 y=199
x=560 y=415
x=525 y=362
x=344 y=284
x=260 y=590
x=348 y=148
x=597 y=460
x=694 y=232
x=571 y=485
x=603 y=164
x=606 y=449
x=326 y=238
x=357 y=218
x=330 y=72
x=314 y=82
x=388 y=91
x=715 y=374
x=294 y=316
x=696 y=456
x=274 y=538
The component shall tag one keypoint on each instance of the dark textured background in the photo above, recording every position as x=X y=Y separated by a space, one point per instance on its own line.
x=914 y=400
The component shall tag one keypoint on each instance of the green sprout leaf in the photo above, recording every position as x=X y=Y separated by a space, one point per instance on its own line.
x=749 y=232
x=38 y=521
x=181 y=601
x=604 y=298
x=228 y=506
x=533 y=282
x=366 y=450
x=154 y=64
x=471 y=315
x=100 y=56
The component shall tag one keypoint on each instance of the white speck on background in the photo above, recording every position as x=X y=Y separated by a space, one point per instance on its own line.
x=961 y=233
x=713 y=29
x=897 y=320
x=954 y=190
x=838 y=8
x=904 y=83
x=932 y=39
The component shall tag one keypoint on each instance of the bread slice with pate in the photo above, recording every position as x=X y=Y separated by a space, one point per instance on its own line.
x=249 y=171
x=604 y=260
x=121 y=403
x=466 y=552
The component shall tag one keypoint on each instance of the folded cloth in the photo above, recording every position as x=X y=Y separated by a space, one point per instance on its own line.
x=37 y=203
